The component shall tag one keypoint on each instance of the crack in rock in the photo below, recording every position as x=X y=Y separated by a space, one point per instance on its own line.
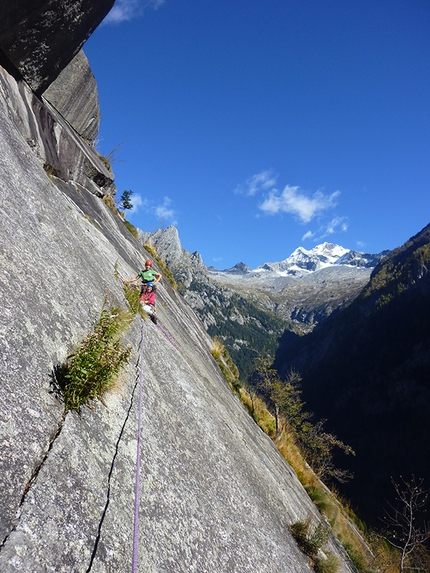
x=99 y=531
x=35 y=473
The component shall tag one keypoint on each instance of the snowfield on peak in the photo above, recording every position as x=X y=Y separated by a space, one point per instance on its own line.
x=319 y=257
x=302 y=263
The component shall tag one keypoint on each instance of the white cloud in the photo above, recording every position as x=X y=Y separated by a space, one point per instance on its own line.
x=293 y=200
x=165 y=213
x=336 y=225
x=137 y=202
x=125 y=10
x=259 y=182
x=308 y=235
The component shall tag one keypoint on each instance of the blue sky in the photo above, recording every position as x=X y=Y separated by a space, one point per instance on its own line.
x=257 y=126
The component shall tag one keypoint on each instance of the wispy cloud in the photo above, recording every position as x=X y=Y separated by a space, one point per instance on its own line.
x=336 y=225
x=137 y=203
x=165 y=213
x=308 y=235
x=260 y=182
x=293 y=200
x=125 y=10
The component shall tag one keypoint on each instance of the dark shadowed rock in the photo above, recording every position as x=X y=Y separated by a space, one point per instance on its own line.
x=40 y=37
x=366 y=370
x=239 y=269
x=74 y=95
x=48 y=135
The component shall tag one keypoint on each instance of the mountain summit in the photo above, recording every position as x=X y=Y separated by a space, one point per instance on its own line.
x=317 y=258
x=302 y=262
x=249 y=309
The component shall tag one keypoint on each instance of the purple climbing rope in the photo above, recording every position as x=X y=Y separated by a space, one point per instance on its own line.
x=139 y=431
x=137 y=486
x=167 y=335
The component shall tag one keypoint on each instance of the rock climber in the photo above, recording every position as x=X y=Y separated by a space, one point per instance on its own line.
x=147 y=275
x=147 y=300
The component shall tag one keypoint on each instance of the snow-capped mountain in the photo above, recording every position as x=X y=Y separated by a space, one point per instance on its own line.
x=303 y=262
x=304 y=288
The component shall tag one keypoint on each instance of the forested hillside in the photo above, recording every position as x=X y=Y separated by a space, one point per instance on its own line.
x=367 y=371
x=245 y=329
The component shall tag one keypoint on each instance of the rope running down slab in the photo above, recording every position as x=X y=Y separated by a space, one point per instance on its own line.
x=137 y=486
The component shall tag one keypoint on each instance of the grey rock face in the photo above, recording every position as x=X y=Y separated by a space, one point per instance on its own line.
x=166 y=242
x=57 y=146
x=40 y=37
x=215 y=495
x=239 y=269
x=74 y=95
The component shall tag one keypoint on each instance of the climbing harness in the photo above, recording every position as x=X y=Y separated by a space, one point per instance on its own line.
x=137 y=486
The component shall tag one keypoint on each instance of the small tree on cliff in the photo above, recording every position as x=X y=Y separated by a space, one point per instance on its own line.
x=125 y=202
x=318 y=446
x=404 y=529
x=284 y=399
x=283 y=396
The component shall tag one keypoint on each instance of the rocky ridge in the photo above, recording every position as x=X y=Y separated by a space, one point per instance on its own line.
x=241 y=322
x=302 y=291
x=307 y=286
x=365 y=370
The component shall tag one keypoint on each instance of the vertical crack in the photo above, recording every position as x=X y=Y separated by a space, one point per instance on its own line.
x=35 y=473
x=43 y=460
x=99 y=530
x=54 y=437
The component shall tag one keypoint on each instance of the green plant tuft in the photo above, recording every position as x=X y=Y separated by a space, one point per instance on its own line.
x=132 y=229
x=105 y=162
x=132 y=295
x=151 y=250
x=356 y=558
x=92 y=370
x=226 y=365
x=310 y=542
x=110 y=202
x=328 y=564
x=319 y=497
x=51 y=170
